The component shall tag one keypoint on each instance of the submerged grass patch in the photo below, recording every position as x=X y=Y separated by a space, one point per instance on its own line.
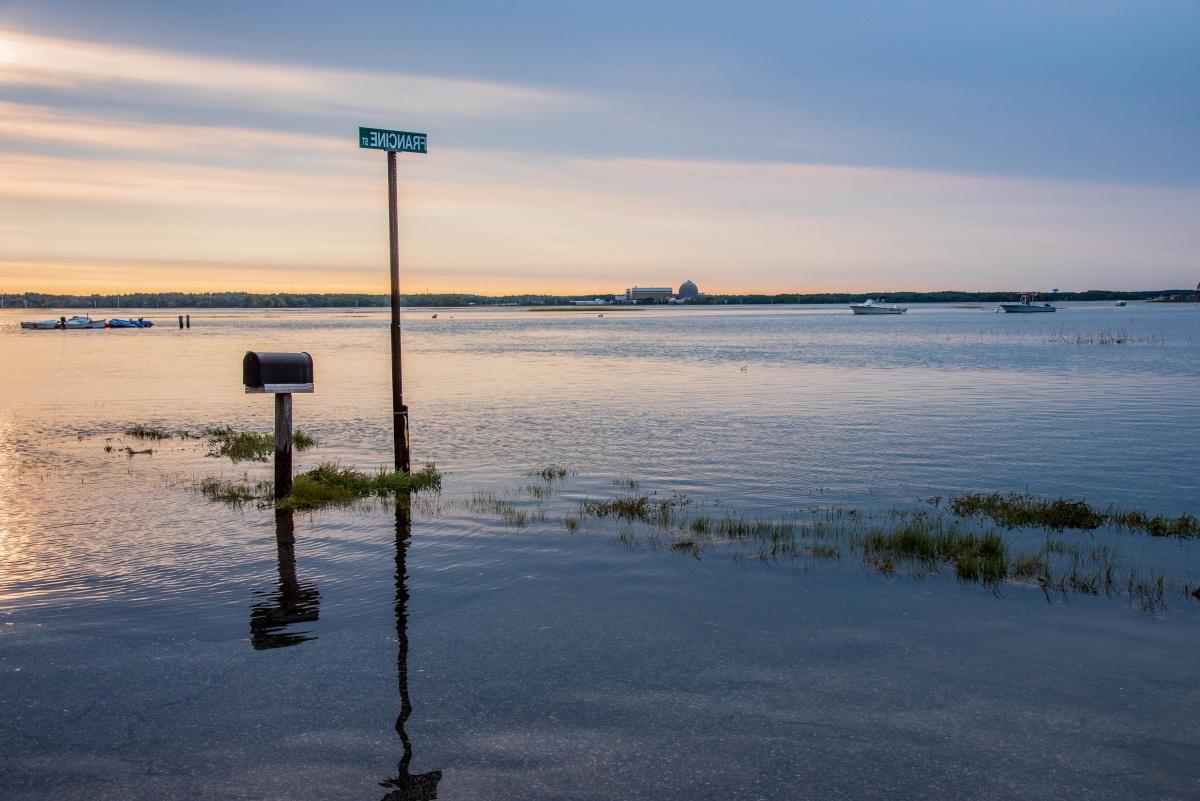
x=247 y=446
x=331 y=484
x=1018 y=509
x=640 y=508
x=234 y=492
x=550 y=473
x=975 y=557
x=1022 y=509
x=895 y=542
x=510 y=513
x=146 y=432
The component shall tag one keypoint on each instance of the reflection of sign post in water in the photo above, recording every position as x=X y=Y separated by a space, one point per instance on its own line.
x=406 y=786
x=395 y=142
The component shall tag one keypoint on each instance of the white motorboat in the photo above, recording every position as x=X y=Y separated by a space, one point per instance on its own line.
x=876 y=306
x=1027 y=306
x=41 y=325
x=81 y=321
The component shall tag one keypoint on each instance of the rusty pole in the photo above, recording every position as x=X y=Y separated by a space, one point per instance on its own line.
x=399 y=410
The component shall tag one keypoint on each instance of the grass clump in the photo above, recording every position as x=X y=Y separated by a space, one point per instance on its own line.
x=146 y=432
x=686 y=546
x=571 y=523
x=550 y=473
x=247 y=446
x=1184 y=526
x=1016 y=510
x=641 y=508
x=627 y=483
x=975 y=557
x=635 y=507
x=234 y=492
x=331 y=484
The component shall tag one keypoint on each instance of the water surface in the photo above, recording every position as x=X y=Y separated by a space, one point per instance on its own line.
x=155 y=645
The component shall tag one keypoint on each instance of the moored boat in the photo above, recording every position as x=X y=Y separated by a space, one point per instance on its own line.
x=41 y=325
x=1027 y=306
x=876 y=306
x=130 y=323
x=82 y=321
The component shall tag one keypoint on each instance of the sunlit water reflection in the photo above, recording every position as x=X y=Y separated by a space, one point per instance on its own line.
x=154 y=645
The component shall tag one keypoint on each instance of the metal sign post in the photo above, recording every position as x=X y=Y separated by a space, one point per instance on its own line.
x=395 y=142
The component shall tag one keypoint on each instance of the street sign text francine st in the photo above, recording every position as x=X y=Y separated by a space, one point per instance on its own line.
x=399 y=141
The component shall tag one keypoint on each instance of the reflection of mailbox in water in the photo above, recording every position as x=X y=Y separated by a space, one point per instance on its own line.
x=277 y=372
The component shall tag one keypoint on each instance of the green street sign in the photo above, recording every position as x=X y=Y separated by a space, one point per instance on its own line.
x=401 y=141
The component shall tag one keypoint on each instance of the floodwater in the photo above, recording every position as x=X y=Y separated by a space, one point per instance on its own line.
x=155 y=644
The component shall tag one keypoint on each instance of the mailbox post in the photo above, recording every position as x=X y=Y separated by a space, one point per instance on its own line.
x=279 y=374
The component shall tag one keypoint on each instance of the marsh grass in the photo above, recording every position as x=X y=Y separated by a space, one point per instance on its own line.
x=247 y=446
x=235 y=493
x=974 y=557
x=510 y=513
x=551 y=473
x=146 y=432
x=328 y=484
x=1019 y=509
x=540 y=491
x=1185 y=526
x=686 y=546
x=1119 y=337
x=331 y=484
x=917 y=543
x=651 y=509
x=627 y=483
x=1025 y=510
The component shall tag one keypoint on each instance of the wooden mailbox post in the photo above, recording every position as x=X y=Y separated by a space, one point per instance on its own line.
x=280 y=374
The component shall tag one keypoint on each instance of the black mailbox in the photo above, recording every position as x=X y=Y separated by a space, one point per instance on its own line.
x=277 y=372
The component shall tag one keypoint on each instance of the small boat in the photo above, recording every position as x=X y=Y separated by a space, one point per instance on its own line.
x=130 y=323
x=41 y=325
x=1122 y=303
x=81 y=321
x=876 y=306
x=1027 y=306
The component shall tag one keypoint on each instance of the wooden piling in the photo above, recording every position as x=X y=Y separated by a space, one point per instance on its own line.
x=181 y=322
x=189 y=320
x=283 y=444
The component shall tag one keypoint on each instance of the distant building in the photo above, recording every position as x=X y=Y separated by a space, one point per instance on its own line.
x=688 y=291
x=659 y=293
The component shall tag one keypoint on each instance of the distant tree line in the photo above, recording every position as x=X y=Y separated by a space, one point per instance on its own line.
x=293 y=300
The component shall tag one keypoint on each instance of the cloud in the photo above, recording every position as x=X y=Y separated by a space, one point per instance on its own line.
x=75 y=131
x=527 y=224
x=100 y=196
x=29 y=60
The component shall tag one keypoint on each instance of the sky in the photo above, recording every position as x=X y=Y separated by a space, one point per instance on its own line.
x=587 y=147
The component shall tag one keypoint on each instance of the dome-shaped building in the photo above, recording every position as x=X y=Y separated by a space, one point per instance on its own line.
x=688 y=290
